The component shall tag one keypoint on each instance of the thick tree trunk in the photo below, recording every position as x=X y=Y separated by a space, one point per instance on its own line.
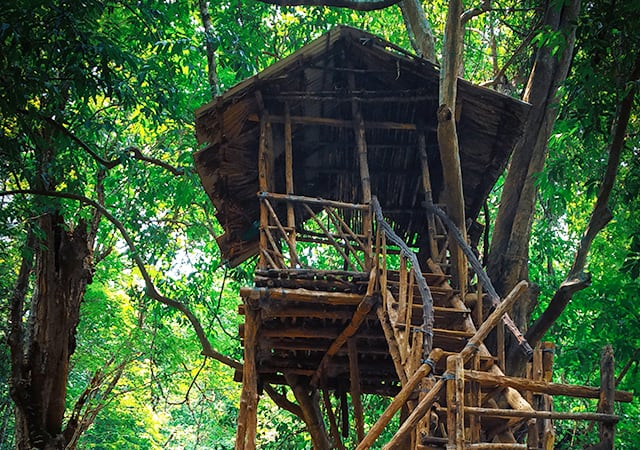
x=39 y=381
x=508 y=258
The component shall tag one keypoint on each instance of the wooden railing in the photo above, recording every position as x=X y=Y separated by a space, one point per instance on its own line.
x=413 y=342
x=334 y=228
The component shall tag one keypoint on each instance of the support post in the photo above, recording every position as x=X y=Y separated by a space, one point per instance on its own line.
x=248 y=415
x=288 y=170
x=606 y=402
x=455 y=402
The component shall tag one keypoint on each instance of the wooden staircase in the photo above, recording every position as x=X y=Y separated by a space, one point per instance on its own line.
x=394 y=330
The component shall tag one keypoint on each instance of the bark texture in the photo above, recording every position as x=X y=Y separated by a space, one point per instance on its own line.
x=41 y=361
x=509 y=250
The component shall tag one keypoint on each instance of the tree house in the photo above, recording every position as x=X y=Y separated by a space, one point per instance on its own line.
x=325 y=167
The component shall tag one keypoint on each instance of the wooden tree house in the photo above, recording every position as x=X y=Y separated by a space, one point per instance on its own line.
x=325 y=167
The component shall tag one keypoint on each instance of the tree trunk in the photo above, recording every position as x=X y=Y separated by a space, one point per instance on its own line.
x=39 y=382
x=308 y=400
x=508 y=257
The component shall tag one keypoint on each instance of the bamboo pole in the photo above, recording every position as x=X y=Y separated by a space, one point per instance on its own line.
x=262 y=181
x=455 y=402
x=543 y=387
x=497 y=412
x=288 y=169
x=338 y=123
x=313 y=201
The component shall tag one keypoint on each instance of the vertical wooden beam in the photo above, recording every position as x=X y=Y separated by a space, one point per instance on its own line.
x=459 y=374
x=265 y=156
x=288 y=170
x=428 y=194
x=548 y=433
x=500 y=345
x=354 y=376
x=248 y=415
x=365 y=178
x=455 y=402
x=262 y=182
x=476 y=400
x=607 y=397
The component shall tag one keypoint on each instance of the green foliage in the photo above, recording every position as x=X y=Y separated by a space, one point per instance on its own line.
x=124 y=75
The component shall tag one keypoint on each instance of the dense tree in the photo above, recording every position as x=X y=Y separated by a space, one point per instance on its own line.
x=107 y=241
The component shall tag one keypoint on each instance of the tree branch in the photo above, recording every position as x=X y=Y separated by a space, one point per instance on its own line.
x=135 y=152
x=210 y=46
x=415 y=20
x=600 y=217
x=152 y=292
x=283 y=402
x=474 y=12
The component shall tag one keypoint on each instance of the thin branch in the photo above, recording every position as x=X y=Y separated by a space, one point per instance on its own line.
x=283 y=402
x=523 y=45
x=627 y=366
x=577 y=279
x=151 y=290
x=474 y=12
x=210 y=46
x=135 y=152
x=358 y=5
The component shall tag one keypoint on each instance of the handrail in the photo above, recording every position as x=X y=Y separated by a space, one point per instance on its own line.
x=482 y=275
x=425 y=292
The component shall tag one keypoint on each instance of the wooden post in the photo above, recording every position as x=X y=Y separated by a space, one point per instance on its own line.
x=248 y=415
x=500 y=345
x=265 y=163
x=288 y=170
x=607 y=397
x=428 y=196
x=548 y=432
x=354 y=376
x=455 y=402
x=365 y=178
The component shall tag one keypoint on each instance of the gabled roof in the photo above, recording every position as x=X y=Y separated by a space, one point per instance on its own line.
x=398 y=93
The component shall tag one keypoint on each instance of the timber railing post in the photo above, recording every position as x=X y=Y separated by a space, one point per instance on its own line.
x=606 y=402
